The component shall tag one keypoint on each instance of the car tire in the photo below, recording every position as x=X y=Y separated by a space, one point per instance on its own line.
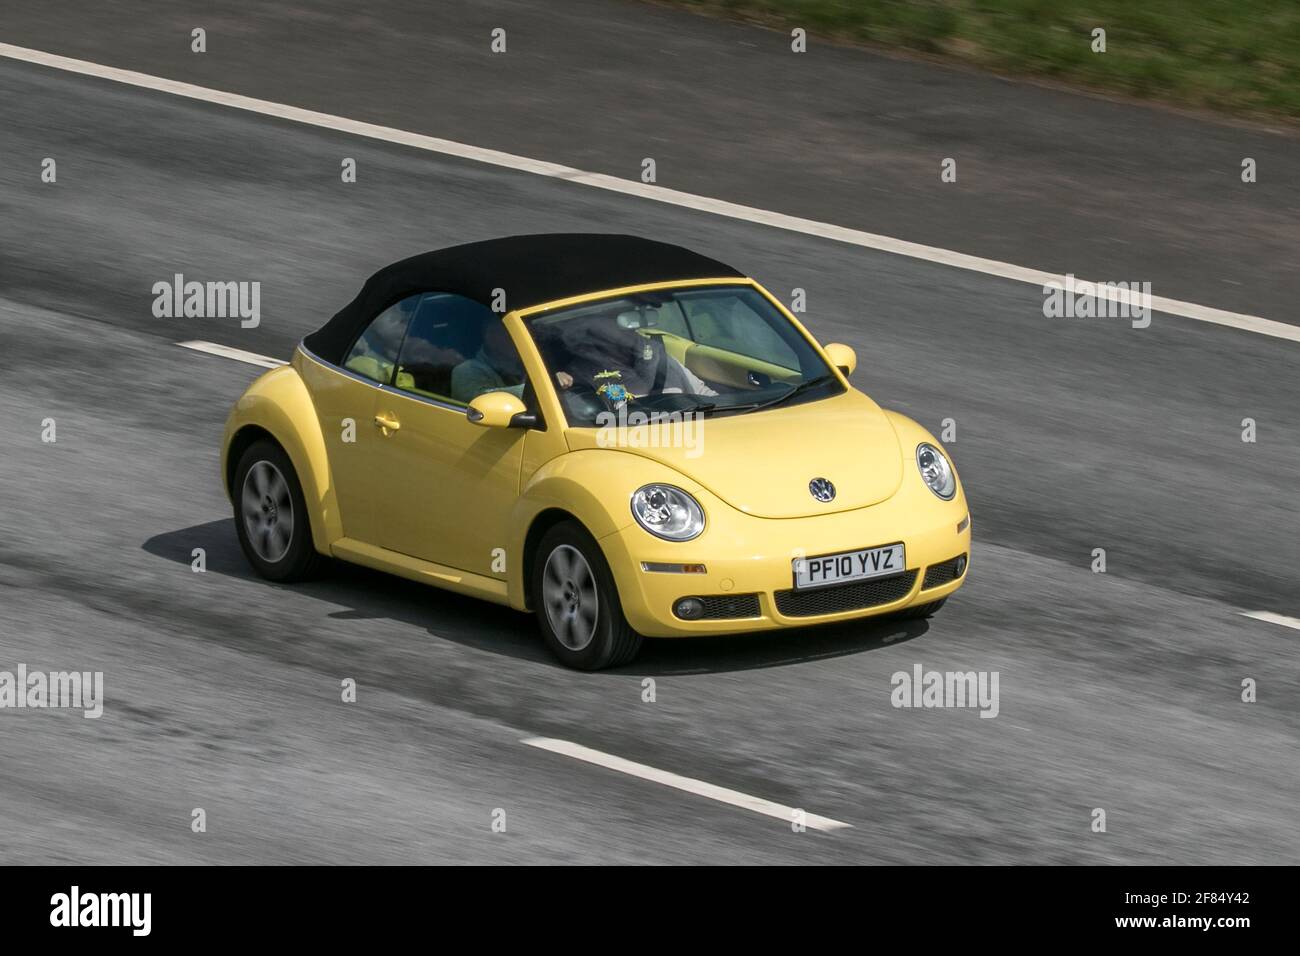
x=576 y=601
x=920 y=611
x=271 y=518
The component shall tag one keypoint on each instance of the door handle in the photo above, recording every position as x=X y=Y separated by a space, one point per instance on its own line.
x=387 y=423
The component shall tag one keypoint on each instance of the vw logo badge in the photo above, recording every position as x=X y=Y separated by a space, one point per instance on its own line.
x=822 y=489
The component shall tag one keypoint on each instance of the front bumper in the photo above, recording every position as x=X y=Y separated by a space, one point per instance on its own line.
x=749 y=566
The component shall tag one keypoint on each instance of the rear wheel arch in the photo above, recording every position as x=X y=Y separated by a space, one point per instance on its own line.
x=308 y=482
x=284 y=520
x=240 y=442
x=278 y=407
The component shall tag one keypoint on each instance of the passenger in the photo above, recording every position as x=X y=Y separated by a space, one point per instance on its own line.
x=494 y=368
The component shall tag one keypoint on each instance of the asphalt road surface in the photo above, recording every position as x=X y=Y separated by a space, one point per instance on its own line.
x=1046 y=179
x=1119 y=690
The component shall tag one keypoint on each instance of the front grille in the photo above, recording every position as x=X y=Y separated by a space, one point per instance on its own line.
x=728 y=605
x=937 y=574
x=854 y=596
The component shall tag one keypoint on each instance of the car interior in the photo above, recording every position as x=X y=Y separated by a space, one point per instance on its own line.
x=436 y=334
x=441 y=336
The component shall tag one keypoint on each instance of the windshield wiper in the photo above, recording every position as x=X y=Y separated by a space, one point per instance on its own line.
x=795 y=390
x=705 y=408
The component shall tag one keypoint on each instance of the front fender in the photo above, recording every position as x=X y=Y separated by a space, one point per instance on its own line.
x=278 y=403
x=596 y=487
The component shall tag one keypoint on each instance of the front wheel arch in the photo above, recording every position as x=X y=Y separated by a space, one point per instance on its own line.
x=543 y=522
x=611 y=639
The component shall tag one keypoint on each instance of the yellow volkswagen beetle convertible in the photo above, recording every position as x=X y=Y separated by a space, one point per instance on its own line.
x=625 y=437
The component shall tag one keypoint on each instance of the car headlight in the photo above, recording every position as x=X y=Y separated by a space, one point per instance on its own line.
x=667 y=512
x=936 y=471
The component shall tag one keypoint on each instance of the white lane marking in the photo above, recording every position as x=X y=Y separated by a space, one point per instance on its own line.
x=1272 y=618
x=673 y=197
x=733 y=797
x=239 y=355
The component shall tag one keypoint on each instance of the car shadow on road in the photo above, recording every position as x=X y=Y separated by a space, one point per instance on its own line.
x=739 y=652
x=367 y=595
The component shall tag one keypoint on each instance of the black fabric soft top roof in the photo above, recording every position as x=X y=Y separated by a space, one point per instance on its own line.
x=531 y=269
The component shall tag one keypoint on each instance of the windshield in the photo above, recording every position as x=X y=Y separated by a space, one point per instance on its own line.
x=715 y=350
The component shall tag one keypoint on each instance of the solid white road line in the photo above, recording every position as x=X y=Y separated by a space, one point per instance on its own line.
x=239 y=355
x=733 y=797
x=718 y=207
x=1272 y=618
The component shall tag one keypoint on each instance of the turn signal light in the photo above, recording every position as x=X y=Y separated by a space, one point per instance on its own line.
x=663 y=568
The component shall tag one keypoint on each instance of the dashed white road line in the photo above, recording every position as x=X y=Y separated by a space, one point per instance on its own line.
x=718 y=207
x=239 y=355
x=698 y=787
x=1271 y=618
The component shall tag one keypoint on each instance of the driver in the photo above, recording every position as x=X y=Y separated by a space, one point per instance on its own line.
x=600 y=349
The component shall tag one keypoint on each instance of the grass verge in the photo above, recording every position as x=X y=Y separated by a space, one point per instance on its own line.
x=1233 y=56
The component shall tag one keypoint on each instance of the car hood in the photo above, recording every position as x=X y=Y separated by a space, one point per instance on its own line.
x=762 y=462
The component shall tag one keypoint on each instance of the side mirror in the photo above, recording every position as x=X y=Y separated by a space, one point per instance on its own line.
x=842 y=357
x=496 y=410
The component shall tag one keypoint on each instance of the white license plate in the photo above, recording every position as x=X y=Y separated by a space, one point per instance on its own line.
x=848 y=566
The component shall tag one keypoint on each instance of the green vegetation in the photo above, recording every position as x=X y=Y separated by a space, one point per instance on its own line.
x=1235 y=56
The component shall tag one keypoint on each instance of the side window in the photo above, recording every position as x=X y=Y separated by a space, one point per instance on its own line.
x=455 y=349
x=374 y=353
x=727 y=322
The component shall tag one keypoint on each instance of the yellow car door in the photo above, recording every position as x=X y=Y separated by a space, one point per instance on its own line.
x=443 y=488
x=345 y=406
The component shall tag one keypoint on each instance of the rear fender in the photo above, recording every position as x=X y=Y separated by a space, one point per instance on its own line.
x=279 y=404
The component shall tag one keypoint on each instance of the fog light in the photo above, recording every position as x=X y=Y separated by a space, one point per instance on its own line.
x=689 y=608
x=959 y=567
